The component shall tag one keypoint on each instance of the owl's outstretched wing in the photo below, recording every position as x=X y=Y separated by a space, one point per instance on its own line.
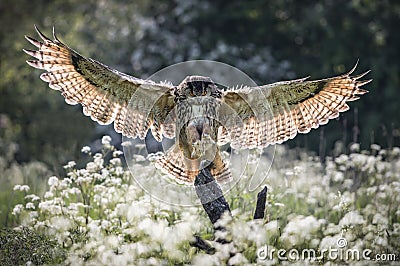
x=134 y=105
x=276 y=112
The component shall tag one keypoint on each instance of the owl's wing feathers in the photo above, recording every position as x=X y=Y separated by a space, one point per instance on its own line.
x=276 y=112
x=134 y=105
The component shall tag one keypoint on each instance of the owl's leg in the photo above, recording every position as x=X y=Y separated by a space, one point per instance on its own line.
x=220 y=171
x=194 y=131
x=208 y=134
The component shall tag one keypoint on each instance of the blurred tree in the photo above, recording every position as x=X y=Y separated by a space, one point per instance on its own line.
x=269 y=40
x=42 y=125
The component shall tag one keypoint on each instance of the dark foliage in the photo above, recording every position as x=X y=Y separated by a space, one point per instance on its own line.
x=268 y=40
x=19 y=246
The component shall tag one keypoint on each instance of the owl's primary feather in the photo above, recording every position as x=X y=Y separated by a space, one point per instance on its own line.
x=198 y=112
x=276 y=112
x=134 y=105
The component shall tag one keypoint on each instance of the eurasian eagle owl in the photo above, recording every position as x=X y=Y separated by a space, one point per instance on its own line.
x=201 y=114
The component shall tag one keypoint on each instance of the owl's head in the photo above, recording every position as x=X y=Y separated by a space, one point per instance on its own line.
x=197 y=86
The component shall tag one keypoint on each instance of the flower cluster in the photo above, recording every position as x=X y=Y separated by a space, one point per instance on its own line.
x=100 y=216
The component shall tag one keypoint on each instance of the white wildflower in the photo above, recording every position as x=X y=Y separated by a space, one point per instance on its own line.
x=272 y=228
x=32 y=197
x=99 y=161
x=112 y=241
x=300 y=229
x=70 y=164
x=91 y=167
x=372 y=190
x=105 y=173
x=342 y=159
x=104 y=201
x=80 y=220
x=139 y=158
x=289 y=173
x=380 y=241
x=53 y=180
x=17 y=209
x=352 y=218
x=205 y=259
x=60 y=223
x=348 y=183
x=380 y=219
x=66 y=182
x=24 y=188
x=48 y=194
x=40 y=225
x=298 y=170
x=85 y=149
x=329 y=242
x=332 y=229
x=83 y=172
x=396 y=151
x=396 y=228
x=136 y=210
x=155 y=229
x=119 y=170
x=105 y=224
x=106 y=140
x=93 y=227
x=97 y=176
x=33 y=215
x=84 y=179
x=50 y=207
x=238 y=259
x=117 y=153
x=338 y=176
x=30 y=206
x=359 y=159
x=375 y=147
x=140 y=146
x=126 y=143
x=21 y=188
x=115 y=161
x=355 y=147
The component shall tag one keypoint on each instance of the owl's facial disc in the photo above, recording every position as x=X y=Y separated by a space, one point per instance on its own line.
x=196 y=86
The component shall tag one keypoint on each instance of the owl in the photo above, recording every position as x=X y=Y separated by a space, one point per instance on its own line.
x=199 y=113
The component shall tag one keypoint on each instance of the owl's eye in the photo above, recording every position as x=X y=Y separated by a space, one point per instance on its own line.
x=204 y=93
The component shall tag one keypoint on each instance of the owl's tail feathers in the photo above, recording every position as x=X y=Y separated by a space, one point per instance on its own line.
x=219 y=169
x=172 y=163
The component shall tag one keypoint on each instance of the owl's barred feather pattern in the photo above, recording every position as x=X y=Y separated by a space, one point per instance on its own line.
x=196 y=112
x=104 y=93
x=276 y=112
x=173 y=163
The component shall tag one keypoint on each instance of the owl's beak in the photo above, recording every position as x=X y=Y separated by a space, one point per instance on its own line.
x=197 y=93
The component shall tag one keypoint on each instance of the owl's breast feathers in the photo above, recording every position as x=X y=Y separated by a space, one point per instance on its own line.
x=197 y=123
x=197 y=131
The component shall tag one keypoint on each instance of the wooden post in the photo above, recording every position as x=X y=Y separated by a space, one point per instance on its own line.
x=215 y=205
x=259 y=213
